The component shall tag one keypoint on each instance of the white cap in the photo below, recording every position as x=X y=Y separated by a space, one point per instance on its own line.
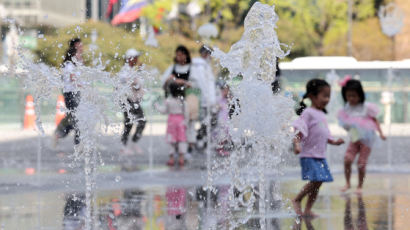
x=132 y=53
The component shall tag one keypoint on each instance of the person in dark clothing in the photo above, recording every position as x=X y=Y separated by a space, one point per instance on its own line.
x=71 y=90
x=133 y=113
x=74 y=212
x=276 y=83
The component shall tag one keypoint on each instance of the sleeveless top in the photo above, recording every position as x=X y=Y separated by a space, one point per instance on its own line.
x=183 y=76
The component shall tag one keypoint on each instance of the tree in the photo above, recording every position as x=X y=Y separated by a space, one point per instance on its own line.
x=319 y=27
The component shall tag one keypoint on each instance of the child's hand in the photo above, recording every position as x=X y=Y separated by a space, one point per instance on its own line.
x=296 y=144
x=296 y=148
x=383 y=137
x=339 y=141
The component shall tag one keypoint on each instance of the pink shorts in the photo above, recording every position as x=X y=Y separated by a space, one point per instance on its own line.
x=176 y=128
x=358 y=148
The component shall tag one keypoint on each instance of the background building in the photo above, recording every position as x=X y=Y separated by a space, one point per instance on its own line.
x=54 y=12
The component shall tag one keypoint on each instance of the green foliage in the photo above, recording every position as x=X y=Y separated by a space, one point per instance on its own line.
x=310 y=27
x=113 y=42
x=311 y=21
x=369 y=43
x=155 y=12
x=319 y=27
x=364 y=9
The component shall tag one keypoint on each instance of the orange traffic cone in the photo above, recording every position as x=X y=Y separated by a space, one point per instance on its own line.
x=29 y=115
x=60 y=109
x=30 y=171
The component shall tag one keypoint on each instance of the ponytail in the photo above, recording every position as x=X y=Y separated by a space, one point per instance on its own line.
x=313 y=88
x=302 y=105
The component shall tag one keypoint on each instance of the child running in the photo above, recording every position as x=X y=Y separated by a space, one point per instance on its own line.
x=176 y=125
x=359 y=120
x=310 y=143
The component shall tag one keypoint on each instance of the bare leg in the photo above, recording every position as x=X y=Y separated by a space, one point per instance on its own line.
x=181 y=160
x=348 y=173
x=311 y=200
x=362 y=175
x=361 y=166
x=171 y=160
x=298 y=199
x=350 y=155
x=182 y=148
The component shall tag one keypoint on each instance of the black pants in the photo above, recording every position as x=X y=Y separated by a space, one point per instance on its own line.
x=71 y=99
x=134 y=115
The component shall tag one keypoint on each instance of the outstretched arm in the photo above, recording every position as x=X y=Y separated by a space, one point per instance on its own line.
x=379 y=129
x=339 y=141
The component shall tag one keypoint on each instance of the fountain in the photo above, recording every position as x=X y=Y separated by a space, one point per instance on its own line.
x=259 y=128
x=91 y=113
x=260 y=125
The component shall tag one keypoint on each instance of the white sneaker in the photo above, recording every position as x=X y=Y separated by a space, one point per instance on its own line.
x=188 y=157
x=200 y=144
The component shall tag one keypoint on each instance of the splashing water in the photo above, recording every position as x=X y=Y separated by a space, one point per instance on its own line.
x=260 y=126
x=91 y=113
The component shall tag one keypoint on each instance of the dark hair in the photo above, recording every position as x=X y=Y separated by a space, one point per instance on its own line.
x=71 y=51
x=313 y=88
x=205 y=49
x=185 y=51
x=175 y=90
x=356 y=86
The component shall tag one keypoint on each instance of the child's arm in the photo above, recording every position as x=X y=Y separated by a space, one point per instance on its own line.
x=379 y=129
x=339 y=141
x=161 y=108
x=296 y=143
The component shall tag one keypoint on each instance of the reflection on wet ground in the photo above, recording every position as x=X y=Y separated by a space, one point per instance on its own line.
x=383 y=205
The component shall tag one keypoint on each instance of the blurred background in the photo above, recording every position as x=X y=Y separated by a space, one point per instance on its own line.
x=365 y=30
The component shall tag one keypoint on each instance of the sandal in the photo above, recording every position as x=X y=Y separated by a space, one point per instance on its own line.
x=181 y=160
x=171 y=161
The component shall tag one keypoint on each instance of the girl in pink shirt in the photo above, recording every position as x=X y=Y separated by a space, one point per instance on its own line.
x=310 y=143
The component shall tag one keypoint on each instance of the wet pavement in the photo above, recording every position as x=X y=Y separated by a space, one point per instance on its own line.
x=137 y=191
x=383 y=205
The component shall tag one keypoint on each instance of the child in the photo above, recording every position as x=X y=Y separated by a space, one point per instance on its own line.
x=176 y=125
x=359 y=120
x=310 y=143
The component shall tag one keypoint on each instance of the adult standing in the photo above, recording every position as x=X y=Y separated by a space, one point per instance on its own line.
x=180 y=73
x=133 y=113
x=202 y=71
x=71 y=90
